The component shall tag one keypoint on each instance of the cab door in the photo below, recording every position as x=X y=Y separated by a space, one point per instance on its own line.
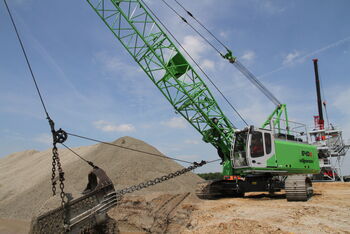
x=261 y=148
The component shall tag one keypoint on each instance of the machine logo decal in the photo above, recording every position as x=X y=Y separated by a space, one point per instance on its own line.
x=306 y=161
x=306 y=153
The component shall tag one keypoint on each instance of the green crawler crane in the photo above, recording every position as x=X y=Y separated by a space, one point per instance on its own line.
x=274 y=157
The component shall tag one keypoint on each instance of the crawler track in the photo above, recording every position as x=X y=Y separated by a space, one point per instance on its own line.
x=215 y=189
x=298 y=188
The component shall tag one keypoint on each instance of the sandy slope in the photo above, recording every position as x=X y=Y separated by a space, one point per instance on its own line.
x=25 y=176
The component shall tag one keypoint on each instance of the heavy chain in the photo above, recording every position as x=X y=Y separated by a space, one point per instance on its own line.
x=158 y=180
x=59 y=136
x=56 y=162
x=53 y=181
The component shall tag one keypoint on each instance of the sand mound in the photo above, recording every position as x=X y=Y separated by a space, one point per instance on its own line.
x=25 y=177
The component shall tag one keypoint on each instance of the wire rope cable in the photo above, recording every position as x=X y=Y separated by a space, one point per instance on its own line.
x=201 y=35
x=201 y=24
x=71 y=134
x=216 y=160
x=324 y=96
x=136 y=150
x=27 y=61
x=237 y=64
x=199 y=67
x=128 y=148
x=60 y=136
x=256 y=82
x=75 y=153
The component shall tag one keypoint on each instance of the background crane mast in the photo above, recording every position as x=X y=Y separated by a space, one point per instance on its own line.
x=329 y=140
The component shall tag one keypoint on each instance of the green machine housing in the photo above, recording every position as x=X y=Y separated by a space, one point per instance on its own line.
x=257 y=151
x=264 y=152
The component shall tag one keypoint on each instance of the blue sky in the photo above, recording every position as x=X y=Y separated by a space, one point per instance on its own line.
x=93 y=87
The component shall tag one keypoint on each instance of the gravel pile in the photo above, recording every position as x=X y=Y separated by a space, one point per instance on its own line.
x=25 y=177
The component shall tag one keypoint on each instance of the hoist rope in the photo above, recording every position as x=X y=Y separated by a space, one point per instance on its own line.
x=57 y=136
x=199 y=67
x=201 y=35
x=256 y=82
x=237 y=64
x=27 y=61
x=71 y=150
x=200 y=23
x=71 y=134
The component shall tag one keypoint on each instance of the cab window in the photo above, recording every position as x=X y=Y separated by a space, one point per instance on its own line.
x=267 y=142
x=241 y=141
x=257 y=146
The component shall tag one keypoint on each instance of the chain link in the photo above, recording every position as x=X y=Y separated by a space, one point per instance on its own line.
x=56 y=163
x=53 y=181
x=158 y=180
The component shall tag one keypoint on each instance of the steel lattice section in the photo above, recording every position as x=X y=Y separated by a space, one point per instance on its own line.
x=159 y=58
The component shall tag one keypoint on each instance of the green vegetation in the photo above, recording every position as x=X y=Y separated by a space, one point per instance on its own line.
x=211 y=175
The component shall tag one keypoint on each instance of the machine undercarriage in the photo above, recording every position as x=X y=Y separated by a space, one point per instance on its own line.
x=297 y=187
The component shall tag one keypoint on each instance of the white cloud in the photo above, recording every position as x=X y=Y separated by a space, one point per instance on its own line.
x=309 y=55
x=194 y=45
x=109 y=127
x=176 y=122
x=44 y=138
x=113 y=64
x=291 y=57
x=191 y=142
x=208 y=64
x=224 y=34
x=146 y=125
x=342 y=100
x=248 y=56
x=271 y=8
x=256 y=113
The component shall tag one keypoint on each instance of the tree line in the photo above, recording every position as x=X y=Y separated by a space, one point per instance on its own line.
x=210 y=175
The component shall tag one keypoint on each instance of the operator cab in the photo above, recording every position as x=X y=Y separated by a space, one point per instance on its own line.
x=252 y=148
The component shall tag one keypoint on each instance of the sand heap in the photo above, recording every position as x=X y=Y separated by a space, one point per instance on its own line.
x=25 y=176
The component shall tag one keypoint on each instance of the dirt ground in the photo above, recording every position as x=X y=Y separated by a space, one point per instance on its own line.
x=327 y=212
x=169 y=207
